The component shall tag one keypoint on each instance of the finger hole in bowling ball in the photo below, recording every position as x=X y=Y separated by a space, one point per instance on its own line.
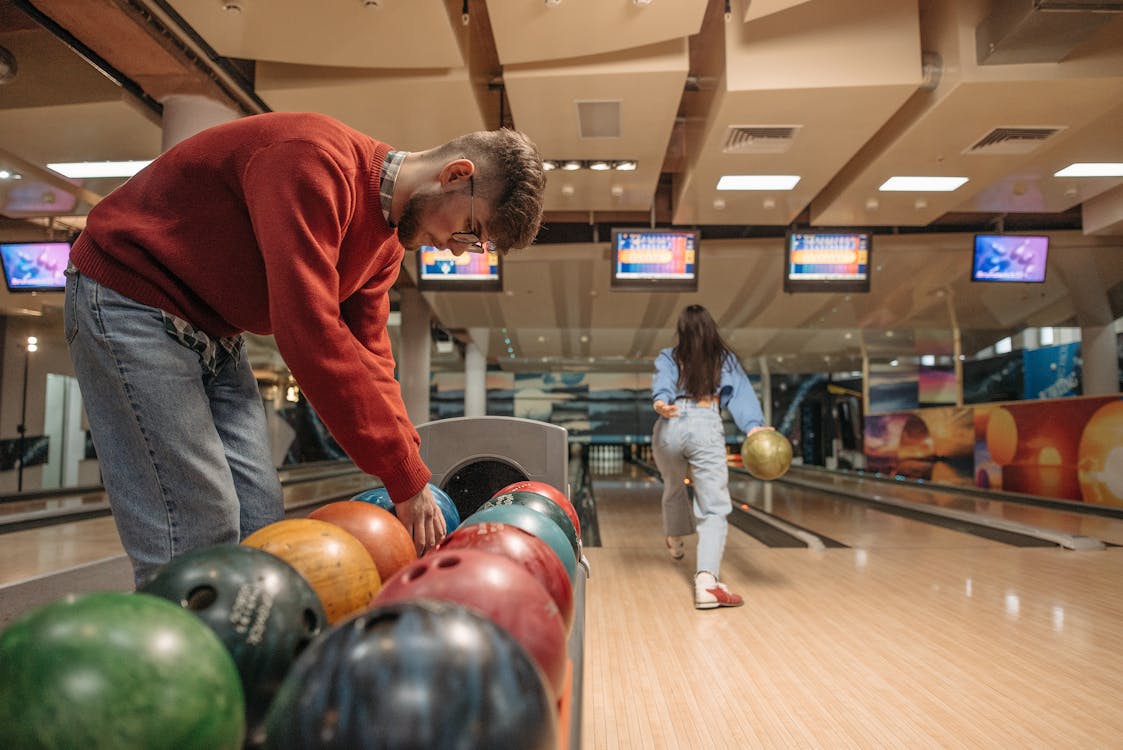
x=200 y=597
x=416 y=572
x=448 y=562
x=311 y=625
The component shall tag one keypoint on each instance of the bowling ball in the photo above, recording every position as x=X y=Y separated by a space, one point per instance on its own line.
x=335 y=563
x=499 y=589
x=524 y=548
x=383 y=535
x=259 y=606
x=550 y=493
x=380 y=497
x=766 y=454
x=113 y=670
x=546 y=507
x=419 y=674
x=535 y=523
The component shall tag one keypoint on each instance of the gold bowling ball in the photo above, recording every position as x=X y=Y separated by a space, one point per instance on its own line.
x=766 y=454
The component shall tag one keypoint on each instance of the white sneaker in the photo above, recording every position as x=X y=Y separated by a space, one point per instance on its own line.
x=710 y=594
x=676 y=547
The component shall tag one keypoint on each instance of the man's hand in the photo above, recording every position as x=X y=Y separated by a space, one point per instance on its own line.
x=423 y=520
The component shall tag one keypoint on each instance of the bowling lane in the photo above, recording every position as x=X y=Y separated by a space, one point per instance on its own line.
x=1106 y=528
x=967 y=644
x=851 y=523
x=629 y=508
x=35 y=552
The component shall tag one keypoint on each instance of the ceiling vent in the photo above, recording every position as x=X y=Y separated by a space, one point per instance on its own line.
x=598 y=119
x=1038 y=31
x=759 y=139
x=1012 y=140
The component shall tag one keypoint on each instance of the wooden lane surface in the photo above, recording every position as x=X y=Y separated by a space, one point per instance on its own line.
x=971 y=646
x=49 y=549
x=1104 y=528
x=851 y=523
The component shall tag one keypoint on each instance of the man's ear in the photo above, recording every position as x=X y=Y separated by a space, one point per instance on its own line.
x=456 y=172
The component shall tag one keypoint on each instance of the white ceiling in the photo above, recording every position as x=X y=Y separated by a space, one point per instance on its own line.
x=869 y=89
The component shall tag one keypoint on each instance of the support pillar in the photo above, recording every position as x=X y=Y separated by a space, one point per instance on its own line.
x=475 y=373
x=416 y=350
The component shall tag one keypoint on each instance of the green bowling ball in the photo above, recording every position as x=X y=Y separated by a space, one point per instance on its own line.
x=113 y=670
x=766 y=454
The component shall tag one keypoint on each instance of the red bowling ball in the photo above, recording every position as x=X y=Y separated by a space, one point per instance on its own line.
x=524 y=548
x=499 y=589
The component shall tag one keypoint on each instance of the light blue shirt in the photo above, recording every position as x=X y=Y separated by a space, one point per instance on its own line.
x=735 y=392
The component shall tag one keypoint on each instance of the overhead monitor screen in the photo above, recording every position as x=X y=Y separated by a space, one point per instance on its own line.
x=827 y=262
x=1009 y=257
x=655 y=260
x=440 y=270
x=35 y=266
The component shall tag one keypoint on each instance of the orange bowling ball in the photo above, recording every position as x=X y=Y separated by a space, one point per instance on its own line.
x=334 y=562
x=377 y=529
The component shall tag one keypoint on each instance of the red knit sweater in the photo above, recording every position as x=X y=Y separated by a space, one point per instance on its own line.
x=273 y=224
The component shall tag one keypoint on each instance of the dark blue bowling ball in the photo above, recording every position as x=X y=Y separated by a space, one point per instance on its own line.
x=417 y=674
x=380 y=497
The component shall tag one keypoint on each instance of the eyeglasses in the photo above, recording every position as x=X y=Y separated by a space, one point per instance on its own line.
x=471 y=238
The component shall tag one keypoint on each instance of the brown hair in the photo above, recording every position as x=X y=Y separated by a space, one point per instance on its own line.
x=699 y=352
x=509 y=174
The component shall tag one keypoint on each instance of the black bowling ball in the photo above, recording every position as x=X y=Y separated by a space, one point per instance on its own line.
x=260 y=607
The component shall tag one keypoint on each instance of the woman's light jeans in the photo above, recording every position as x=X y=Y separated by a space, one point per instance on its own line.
x=695 y=439
x=184 y=453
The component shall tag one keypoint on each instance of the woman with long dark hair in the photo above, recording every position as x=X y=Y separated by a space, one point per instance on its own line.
x=693 y=381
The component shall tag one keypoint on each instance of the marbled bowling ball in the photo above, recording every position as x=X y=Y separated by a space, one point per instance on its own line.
x=111 y=670
x=417 y=675
x=334 y=562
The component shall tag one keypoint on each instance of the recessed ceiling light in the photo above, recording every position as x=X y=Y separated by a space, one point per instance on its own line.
x=1092 y=169
x=757 y=182
x=926 y=184
x=549 y=165
x=625 y=166
x=80 y=169
x=599 y=166
x=571 y=165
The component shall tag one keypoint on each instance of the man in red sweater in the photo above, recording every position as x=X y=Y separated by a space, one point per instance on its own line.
x=287 y=224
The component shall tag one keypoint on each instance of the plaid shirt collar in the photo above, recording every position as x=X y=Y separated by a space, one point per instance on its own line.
x=390 y=168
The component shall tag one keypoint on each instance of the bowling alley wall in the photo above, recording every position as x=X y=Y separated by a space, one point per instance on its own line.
x=1024 y=427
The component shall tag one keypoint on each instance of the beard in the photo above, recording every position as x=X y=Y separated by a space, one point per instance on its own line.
x=409 y=223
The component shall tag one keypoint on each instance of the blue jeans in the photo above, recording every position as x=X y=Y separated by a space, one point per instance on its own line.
x=695 y=439
x=184 y=453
